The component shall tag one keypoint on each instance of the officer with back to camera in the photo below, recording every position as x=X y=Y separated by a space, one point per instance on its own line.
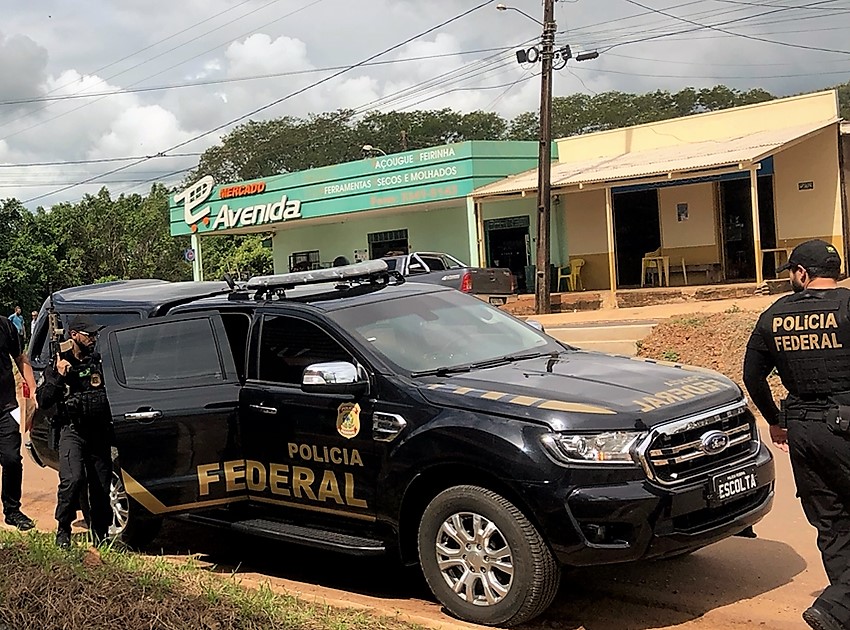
x=74 y=383
x=806 y=337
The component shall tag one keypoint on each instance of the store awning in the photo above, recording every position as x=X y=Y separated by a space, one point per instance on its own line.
x=740 y=152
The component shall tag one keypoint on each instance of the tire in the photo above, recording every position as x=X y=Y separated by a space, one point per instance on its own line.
x=132 y=525
x=447 y=530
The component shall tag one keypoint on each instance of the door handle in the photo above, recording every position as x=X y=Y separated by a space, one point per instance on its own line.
x=142 y=416
x=271 y=411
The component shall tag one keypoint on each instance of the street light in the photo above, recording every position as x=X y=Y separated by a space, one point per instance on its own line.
x=502 y=7
x=368 y=148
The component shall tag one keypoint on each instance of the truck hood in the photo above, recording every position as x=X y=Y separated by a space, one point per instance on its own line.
x=585 y=391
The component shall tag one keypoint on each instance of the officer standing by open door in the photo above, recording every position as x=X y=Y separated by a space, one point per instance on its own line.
x=806 y=338
x=74 y=383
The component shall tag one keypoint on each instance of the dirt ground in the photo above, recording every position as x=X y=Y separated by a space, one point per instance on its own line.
x=739 y=583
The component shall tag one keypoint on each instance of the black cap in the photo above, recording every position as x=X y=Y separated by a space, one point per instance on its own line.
x=813 y=254
x=82 y=323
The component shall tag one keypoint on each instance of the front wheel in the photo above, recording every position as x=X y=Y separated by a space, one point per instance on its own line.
x=484 y=560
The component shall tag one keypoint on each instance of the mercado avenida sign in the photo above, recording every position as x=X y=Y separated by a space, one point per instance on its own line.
x=226 y=217
x=417 y=177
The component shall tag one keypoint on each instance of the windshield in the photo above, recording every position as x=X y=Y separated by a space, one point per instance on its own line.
x=438 y=331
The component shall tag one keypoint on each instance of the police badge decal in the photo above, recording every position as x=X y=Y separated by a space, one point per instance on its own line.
x=348 y=420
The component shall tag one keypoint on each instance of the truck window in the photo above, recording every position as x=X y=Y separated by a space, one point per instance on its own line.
x=288 y=345
x=168 y=354
x=40 y=350
x=435 y=263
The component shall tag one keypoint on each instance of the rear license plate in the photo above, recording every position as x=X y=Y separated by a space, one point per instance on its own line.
x=498 y=301
x=733 y=484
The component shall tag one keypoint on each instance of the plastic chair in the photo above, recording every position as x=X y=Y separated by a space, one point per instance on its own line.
x=572 y=275
x=650 y=263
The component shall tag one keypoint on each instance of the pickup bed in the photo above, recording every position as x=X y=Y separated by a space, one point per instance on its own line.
x=491 y=283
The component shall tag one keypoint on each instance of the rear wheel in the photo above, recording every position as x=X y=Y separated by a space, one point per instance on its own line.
x=131 y=523
x=484 y=560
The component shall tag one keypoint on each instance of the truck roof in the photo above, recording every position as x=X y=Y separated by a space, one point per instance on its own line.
x=156 y=297
x=147 y=295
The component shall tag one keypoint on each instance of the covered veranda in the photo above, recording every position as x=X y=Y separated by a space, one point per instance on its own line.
x=706 y=212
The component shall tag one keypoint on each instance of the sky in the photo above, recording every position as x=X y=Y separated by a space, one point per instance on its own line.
x=89 y=88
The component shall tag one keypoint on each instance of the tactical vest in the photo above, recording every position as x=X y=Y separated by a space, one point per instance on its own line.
x=85 y=401
x=809 y=336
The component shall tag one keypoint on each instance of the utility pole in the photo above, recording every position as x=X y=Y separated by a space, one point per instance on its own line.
x=542 y=295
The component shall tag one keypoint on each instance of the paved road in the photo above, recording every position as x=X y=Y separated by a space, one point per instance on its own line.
x=739 y=583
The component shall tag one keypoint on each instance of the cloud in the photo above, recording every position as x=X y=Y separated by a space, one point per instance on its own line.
x=153 y=43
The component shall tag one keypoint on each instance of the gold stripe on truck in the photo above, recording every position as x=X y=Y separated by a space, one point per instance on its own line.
x=523 y=401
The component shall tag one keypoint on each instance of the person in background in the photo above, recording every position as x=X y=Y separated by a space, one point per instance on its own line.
x=32 y=323
x=10 y=433
x=17 y=319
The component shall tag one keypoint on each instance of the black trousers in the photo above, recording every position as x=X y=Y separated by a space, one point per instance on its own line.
x=12 y=463
x=85 y=461
x=821 y=463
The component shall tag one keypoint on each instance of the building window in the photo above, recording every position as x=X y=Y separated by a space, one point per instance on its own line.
x=305 y=261
x=389 y=243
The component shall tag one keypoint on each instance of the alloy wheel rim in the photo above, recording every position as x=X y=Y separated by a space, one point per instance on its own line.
x=475 y=559
x=120 y=508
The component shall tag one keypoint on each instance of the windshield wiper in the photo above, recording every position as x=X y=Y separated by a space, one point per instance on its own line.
x=480 y=365
x=444 y=371
x=513 y=358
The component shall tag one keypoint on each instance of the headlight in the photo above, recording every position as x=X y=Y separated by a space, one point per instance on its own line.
x=603 y=448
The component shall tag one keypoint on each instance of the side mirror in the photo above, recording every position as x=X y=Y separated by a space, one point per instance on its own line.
x=535 y=324
x=336 y=377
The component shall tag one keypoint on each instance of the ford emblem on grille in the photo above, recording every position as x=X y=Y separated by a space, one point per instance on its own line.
x=714 y=442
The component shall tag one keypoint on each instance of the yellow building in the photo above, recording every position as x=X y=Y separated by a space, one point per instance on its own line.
x=715 y=197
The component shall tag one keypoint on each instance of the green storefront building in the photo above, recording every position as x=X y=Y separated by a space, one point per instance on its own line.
x=413 y=201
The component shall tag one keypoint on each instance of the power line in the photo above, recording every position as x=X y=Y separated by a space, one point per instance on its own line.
x=743 y=35
x=275 y=75
x=663 y=30
x=43 y=122
x=98 y=161
x=271 y=104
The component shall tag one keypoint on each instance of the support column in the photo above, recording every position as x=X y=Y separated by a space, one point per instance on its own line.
x=612 y=259
x=754 y=201
x=197 y=264
x=473 y=232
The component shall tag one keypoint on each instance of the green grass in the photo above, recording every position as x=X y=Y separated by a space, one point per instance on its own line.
x=670 y=355
x=44 y=587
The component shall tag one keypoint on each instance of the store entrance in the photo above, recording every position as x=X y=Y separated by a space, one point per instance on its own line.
x=508 y=246
x=390 y=243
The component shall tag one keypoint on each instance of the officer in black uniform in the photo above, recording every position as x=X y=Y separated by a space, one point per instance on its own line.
x=74 y=383
x=806 y=337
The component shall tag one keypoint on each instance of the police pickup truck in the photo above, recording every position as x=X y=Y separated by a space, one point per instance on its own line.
x=348 y=410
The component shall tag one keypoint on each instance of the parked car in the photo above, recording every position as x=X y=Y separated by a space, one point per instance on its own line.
x=348 y=410
x=493 y=284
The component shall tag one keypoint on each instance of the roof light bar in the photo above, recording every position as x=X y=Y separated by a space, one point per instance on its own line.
x=358 y=271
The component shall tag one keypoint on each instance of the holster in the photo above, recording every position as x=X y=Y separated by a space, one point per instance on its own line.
x=838 y=419
x=53 y=431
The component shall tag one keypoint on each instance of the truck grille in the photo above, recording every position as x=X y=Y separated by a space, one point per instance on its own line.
x=690 y=448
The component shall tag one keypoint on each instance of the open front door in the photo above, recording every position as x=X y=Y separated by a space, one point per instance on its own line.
x=174 y=394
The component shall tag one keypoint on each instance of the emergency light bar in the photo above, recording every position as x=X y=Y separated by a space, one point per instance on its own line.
x=370 y=270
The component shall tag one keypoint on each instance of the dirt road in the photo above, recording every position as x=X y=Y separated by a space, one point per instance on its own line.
x=739 y=583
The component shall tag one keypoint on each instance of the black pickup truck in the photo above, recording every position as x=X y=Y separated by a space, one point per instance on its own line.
x=347 y=410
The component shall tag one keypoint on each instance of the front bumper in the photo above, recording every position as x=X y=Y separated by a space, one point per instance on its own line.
x=635 y=519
